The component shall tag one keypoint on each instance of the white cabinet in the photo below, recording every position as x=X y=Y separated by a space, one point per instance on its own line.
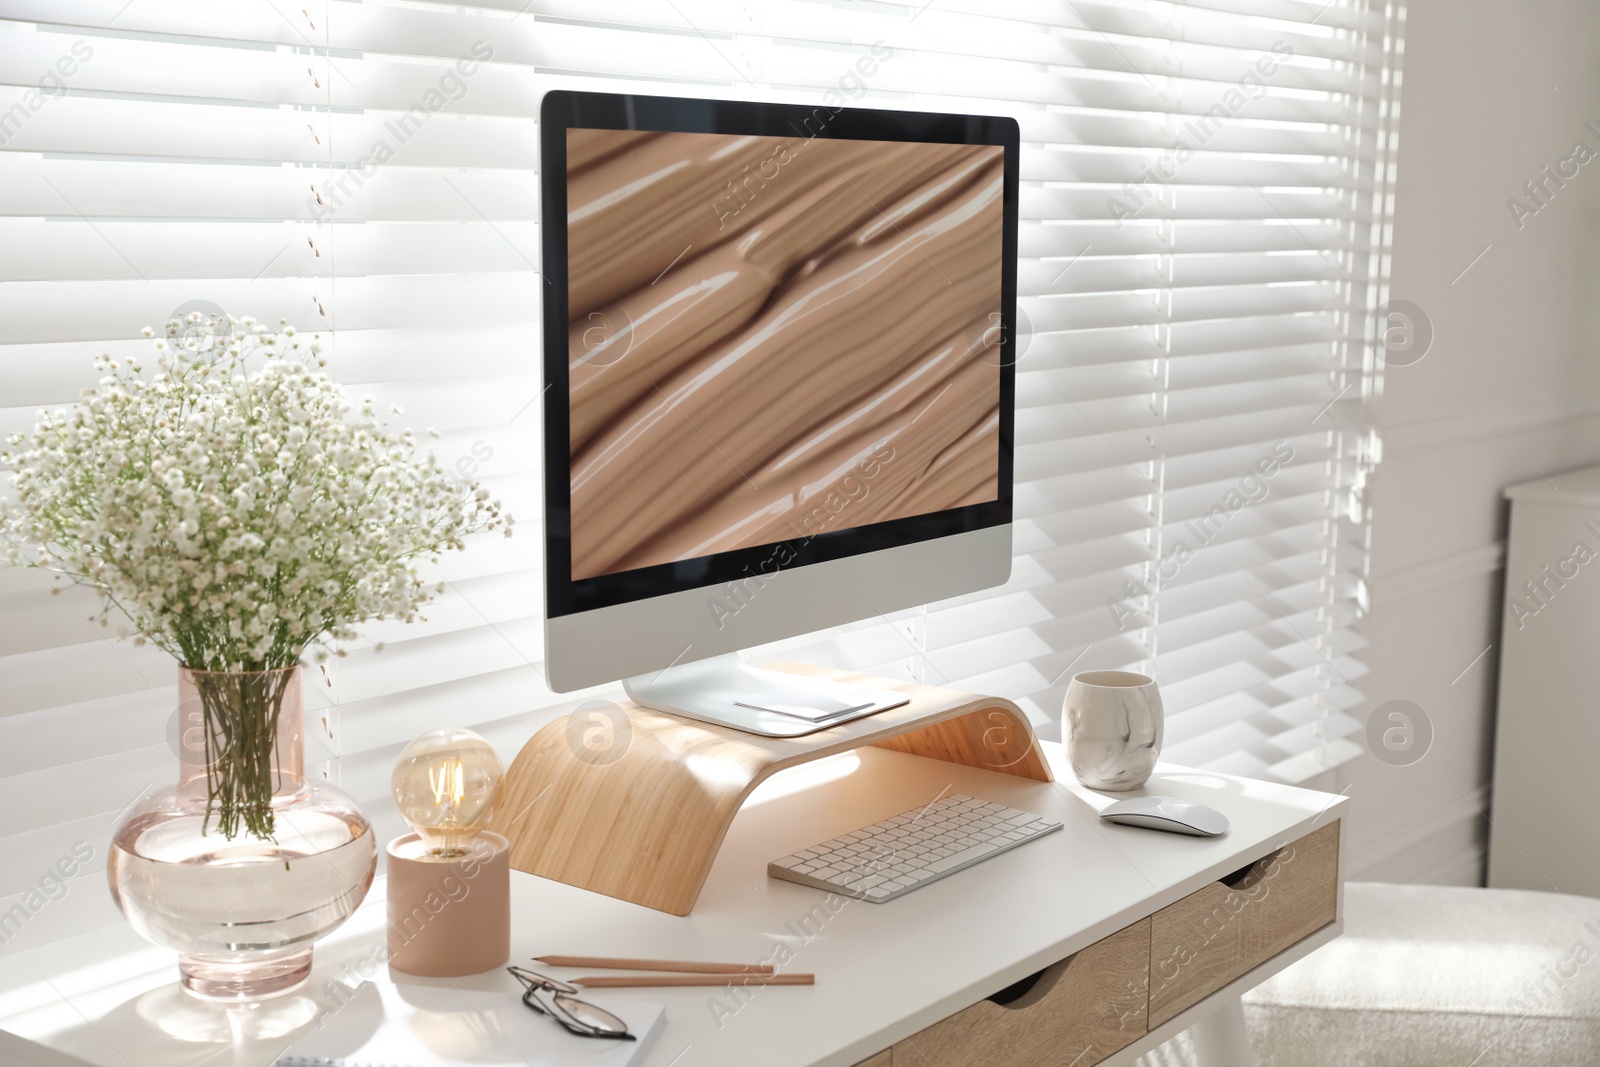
x=1546 y=803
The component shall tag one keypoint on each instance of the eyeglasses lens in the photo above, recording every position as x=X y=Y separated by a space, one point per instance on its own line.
x=591 y=1016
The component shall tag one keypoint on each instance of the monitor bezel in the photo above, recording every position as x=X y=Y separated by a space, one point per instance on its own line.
x=567 y=109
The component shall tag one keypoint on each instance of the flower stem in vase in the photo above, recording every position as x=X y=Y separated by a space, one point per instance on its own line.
x=241 y=710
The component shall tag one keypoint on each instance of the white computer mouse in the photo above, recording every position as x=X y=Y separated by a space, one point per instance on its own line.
x=1168 y=813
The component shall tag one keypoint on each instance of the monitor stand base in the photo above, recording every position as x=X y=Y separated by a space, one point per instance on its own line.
x=727 y=691
x=638 y=811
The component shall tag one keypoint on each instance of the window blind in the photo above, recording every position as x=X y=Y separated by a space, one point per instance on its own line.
x=1205 y=193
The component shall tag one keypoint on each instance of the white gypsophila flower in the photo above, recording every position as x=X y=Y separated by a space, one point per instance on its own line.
x=237 y=514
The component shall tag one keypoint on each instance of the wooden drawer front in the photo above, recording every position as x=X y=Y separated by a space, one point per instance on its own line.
x=1080 y=1011
x=882 y=1059
x=1211 y=937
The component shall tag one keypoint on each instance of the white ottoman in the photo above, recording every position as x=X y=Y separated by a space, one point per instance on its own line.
x=1436 y=975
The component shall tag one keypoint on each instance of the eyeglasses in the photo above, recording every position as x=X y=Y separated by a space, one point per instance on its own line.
x=547 y=996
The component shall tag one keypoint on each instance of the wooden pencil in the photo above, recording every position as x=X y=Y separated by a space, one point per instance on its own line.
x=624 y=981
x=691 y=966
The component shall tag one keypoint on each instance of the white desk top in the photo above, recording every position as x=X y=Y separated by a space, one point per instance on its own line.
x=884 y=971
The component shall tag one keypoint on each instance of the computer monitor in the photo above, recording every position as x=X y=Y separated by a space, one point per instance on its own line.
x=779 y=371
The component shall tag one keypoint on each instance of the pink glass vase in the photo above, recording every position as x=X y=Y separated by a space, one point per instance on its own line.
x=243 y=911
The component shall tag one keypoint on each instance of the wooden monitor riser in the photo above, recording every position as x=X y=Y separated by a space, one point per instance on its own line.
x=641 y=819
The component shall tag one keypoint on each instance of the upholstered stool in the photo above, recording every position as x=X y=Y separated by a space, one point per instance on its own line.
x=1435 y=975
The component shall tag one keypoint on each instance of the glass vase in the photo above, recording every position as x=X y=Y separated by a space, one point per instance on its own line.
x=242 y=911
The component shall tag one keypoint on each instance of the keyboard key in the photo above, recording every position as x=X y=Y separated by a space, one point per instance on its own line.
x=957 y=859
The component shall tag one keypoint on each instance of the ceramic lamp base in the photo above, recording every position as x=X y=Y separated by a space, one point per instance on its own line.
x=449 y=917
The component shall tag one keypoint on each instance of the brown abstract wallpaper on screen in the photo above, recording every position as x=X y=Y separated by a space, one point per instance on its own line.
x=773 y=338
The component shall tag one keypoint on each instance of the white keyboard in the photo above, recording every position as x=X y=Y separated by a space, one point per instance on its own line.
x=891 y=858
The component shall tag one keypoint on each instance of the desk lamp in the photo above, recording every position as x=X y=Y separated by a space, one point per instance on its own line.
x=449 y=880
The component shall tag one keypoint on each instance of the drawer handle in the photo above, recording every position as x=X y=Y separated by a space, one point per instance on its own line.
x=1016 y=990
x=1025 y=992
x=1251 y=874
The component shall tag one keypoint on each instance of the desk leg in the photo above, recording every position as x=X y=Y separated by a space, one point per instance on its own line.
x=1220 y=1039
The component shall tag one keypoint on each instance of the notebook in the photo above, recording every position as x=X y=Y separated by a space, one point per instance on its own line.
x=474 y=1022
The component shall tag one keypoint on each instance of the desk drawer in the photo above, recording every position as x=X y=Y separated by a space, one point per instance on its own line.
x=1078 y=1012
x=1213 y=936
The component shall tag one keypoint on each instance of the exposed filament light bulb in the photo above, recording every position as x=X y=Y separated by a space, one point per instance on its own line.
x=446 y=783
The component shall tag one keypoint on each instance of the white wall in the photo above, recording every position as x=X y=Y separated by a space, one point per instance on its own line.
x=1509 y=389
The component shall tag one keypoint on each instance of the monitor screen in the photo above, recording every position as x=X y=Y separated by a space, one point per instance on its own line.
x=781 y=347
x=806 y=318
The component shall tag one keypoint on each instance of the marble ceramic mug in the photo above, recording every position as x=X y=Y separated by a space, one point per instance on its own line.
x=1112 y=722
